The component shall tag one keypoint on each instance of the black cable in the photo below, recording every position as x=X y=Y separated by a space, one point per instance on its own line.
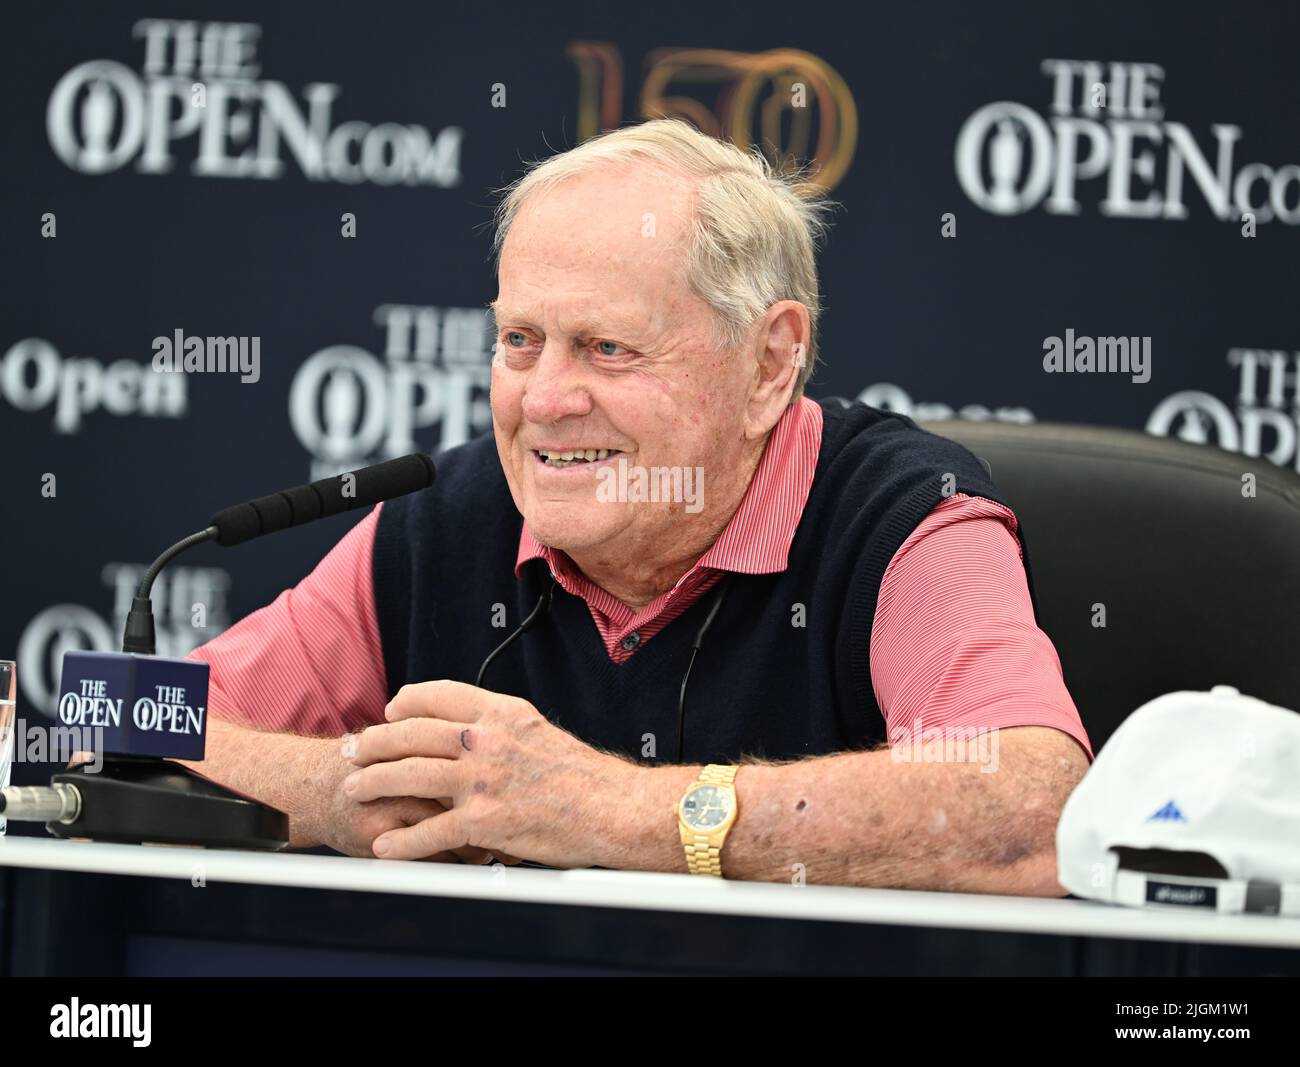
x=543 y=604
x=695 y=651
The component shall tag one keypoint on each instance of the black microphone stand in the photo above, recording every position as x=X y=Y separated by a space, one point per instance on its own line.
x=148 y=798
x=136 y=799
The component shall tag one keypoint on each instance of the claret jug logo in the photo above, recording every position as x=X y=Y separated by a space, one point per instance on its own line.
x=349 y=407
x=1263 y=419
x=1107 y=130
x=200 y=82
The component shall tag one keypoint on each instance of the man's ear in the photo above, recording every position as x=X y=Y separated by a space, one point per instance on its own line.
x=781 y=352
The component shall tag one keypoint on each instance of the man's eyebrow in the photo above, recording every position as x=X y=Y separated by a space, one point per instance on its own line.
x=499 y=312
x=616 y=326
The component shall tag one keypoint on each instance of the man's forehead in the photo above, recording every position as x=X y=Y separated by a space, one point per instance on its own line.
x=602 y=251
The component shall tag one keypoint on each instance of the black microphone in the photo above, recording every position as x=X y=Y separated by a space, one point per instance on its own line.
x=145 y=707
x=329 y=496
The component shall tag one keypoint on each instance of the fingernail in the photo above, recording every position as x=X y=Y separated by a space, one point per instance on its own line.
x=382 y=847
x=350 y=782
x=349 y=745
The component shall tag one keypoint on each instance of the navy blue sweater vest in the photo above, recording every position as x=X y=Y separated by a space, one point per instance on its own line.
x=784 y=671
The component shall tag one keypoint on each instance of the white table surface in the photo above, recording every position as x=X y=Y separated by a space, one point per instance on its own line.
x=655 y=892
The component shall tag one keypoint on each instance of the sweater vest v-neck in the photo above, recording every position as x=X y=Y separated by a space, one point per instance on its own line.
x=784 y=670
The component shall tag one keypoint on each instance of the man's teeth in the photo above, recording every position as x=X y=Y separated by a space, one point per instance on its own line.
x=564 y=459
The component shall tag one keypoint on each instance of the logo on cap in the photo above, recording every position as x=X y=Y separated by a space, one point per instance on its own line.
x=1169 y=813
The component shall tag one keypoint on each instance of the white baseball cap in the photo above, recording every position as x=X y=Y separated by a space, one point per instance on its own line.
x=1193 y=802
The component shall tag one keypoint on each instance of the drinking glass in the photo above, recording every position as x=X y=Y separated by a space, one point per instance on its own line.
x=8 y=701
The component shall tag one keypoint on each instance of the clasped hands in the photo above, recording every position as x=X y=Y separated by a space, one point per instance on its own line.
x=509 y=782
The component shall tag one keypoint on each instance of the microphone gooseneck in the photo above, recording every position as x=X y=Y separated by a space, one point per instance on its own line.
x=280 y=511
x=138 y=635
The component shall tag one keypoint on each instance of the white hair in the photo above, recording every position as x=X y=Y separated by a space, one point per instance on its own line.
x=754 y=236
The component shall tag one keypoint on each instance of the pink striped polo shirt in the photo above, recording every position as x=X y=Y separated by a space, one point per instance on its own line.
x=954 y=645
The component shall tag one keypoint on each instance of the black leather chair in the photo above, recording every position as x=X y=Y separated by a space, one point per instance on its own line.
x=1201 y=585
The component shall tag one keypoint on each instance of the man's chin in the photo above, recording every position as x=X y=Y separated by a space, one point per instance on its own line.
x=568 y=531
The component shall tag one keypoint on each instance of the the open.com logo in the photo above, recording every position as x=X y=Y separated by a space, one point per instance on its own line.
x=1107 y=126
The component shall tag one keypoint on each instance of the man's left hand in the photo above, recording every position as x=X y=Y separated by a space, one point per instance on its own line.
x=518 y=784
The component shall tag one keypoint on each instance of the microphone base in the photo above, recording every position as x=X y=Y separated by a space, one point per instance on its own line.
x=134 y=800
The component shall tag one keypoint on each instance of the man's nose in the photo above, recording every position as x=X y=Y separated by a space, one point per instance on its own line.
x=555 y=387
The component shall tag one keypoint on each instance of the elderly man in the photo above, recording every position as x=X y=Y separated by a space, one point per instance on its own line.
x=672 y=615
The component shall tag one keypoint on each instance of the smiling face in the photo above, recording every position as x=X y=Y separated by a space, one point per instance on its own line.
x=603 y=348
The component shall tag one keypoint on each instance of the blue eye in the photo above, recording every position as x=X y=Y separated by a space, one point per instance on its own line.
x=511 y=335
x=604 y=347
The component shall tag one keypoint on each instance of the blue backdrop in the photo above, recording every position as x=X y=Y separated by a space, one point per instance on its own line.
x=315 y=180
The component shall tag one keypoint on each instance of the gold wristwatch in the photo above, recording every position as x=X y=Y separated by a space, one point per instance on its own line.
x=705 y=813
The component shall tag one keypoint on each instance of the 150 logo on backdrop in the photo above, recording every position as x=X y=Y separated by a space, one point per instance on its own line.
x=201 y=81
x=349 y=407
x=1107 y=122
x=791 y=103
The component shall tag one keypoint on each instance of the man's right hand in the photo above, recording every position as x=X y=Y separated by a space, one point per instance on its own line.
x=303 y=776
x=351 y=828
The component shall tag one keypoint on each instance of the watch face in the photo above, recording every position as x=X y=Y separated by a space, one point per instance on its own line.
x=706 y=807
